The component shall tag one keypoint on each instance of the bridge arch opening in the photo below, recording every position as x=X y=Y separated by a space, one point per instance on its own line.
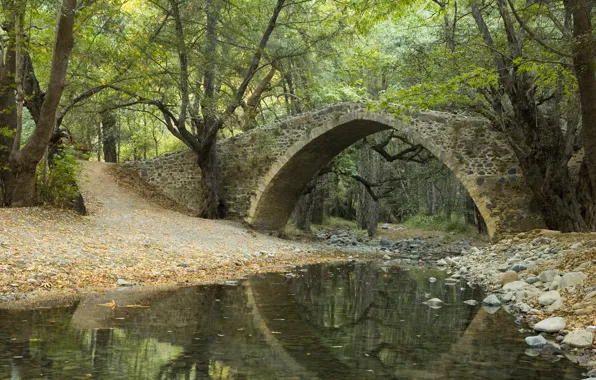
x=482 y=163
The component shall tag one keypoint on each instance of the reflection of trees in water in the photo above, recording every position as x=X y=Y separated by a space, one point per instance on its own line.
x=376 y=320
x=329 y=323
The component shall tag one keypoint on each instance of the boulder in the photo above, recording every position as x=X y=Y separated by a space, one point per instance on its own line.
x=579 y=338
x=551 y=325
x=549 y=298
x=441 y=263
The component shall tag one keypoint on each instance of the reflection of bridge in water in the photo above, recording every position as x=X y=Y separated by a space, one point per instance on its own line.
x=349 y=322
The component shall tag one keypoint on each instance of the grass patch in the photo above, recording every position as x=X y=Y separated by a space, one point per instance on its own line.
x=335 y=223
x=438 y=223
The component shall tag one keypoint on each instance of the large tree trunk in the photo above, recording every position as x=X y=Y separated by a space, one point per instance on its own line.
x=23 y=162
x=583 y=62
x=214 y=205
x=7 y=118
x=109 y=136
x=536 y=138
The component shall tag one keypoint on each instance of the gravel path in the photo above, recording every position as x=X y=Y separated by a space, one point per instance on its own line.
x=130 y=238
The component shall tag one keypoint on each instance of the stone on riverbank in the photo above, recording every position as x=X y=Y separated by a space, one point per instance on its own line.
x=579 y=339
x=551 y=325
x=514 y=286
x=572 y=279
x=509 y=276
x=548 y=275
x=549 y=298
x=491 y=300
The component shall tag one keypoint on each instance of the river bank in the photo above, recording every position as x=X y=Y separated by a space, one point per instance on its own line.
x=547 y=281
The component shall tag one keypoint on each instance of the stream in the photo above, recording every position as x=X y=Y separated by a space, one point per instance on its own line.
x=328 y=321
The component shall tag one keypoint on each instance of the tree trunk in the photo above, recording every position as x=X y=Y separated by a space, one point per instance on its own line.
x=21 y=187
x=22 y=163
x=583 y=62
x=7 y=118
x=367 y=215
x=214 y=205
x=109 y=136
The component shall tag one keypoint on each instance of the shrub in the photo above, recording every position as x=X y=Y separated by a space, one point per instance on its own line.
x=57 y=183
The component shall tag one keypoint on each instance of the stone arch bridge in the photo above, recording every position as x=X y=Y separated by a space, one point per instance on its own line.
x=265 y=170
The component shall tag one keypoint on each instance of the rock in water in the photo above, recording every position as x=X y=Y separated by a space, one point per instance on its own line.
x=491 y=300
x=549 y=298
x=432 y=279
x=508 y=277
x=434 y=303
x=579 y=338
x=471 y=302
x=551 y=325
x=535 y=341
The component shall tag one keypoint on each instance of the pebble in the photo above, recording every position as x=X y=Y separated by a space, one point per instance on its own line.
x=471 y=302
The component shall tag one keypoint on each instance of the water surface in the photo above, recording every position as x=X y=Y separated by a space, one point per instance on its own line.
x=348 y=321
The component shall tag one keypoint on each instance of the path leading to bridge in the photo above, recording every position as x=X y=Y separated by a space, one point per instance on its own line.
x=127 y=237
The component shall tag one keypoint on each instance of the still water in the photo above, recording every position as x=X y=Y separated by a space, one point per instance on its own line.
x=346 y=321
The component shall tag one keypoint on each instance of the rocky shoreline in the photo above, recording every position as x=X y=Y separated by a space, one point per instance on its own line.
x=544 y=279
x=547 y=282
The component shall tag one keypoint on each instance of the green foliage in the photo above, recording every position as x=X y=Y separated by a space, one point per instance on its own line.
x=57 y=184
x=438 y=223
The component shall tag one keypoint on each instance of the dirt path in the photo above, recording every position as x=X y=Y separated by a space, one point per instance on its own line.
x=130 y=238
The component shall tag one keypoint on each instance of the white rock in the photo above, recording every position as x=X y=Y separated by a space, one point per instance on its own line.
x=551 y=325
x=491 y=300
x=514 y=286
x=535 y=341
x=555 y=306
x=508 y=297
x=441 y=263
x=548 y=275
x=555 y=284
x=451 y=261
x=572 y=279
x=576 y=245
x=471 y=302
x=579 y=338
x=549 y=298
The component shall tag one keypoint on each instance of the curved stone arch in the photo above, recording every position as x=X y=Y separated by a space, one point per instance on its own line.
x=480 y=158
